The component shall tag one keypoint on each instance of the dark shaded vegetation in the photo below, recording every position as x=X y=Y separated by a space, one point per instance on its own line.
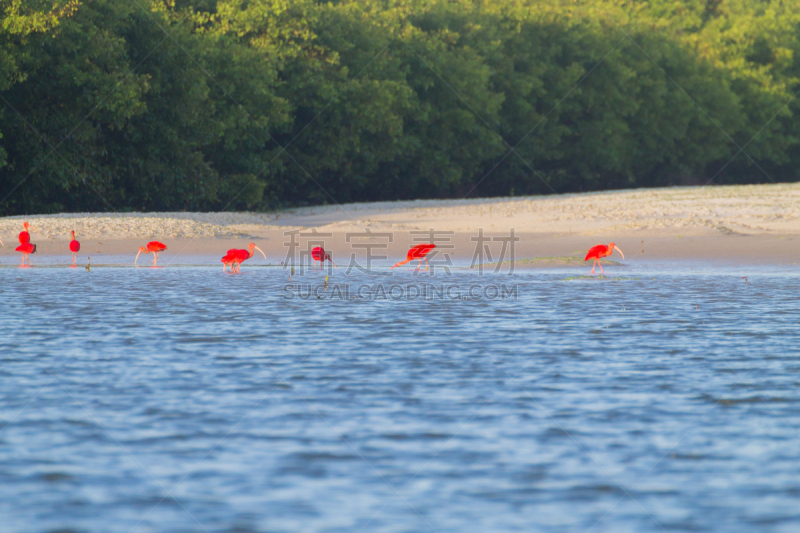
x=259 y=104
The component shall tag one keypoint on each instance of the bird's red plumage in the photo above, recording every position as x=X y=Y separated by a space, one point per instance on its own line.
x=235 y=255
x=24 y=237
x=597 y=252
x=318 y=253
x=419 y=251
x=155 y=246
x=26 y=248
x=74 y=246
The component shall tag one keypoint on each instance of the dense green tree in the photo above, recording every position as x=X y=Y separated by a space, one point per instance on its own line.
x=257 y=104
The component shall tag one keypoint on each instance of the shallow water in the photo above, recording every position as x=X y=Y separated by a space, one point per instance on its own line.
x=182 y=399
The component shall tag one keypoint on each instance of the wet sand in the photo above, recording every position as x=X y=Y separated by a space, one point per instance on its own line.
x=753 y=224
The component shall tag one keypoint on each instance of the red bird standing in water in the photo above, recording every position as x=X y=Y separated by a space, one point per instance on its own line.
x=234 y=257
x=417 y=252
x=74 y=247
x=600 y=251
x=24 y=236
x=26 y=249
x=319 y=254
x=152 y=246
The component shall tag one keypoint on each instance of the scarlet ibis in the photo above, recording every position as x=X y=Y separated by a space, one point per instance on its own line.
x=74 y=247
x=24 y=236
x=319 y=254
x=152 y=246
x=26 y=249
x=235 y=257
x=600 y=251
x=418 y=252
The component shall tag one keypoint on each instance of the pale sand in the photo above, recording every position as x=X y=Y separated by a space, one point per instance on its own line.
x=754 y=223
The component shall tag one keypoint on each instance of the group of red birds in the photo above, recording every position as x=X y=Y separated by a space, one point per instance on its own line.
x=235 y=257
x=26 y=247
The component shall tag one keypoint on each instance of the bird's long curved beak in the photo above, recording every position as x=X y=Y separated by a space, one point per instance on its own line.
x=262 y=253
x=33 y=229
x=137 y=258
x=334 y=264
x=620 y=251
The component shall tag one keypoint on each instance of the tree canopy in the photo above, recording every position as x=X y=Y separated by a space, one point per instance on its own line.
x=260 y=104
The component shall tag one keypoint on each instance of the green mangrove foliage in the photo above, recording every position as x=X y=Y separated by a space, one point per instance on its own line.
x=258 y=104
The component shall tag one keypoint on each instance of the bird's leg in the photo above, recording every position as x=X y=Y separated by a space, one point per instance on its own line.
x=601 y=266
x=426 y=263
x=593 y=265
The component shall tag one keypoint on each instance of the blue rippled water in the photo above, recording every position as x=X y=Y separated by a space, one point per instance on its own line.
x=185 y=400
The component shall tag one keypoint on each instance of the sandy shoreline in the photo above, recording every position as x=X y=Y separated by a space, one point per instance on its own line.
x=753 y=223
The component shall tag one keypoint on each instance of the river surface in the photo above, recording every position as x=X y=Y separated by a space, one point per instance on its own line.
x=665 y=397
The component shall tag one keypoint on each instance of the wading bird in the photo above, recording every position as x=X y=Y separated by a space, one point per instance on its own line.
x=235 y=257
x=24 y=236
x=418 y=252
x=600 y=251
x=152 y=246
x=319 y=254
x=74 y=247
x=26 y=249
